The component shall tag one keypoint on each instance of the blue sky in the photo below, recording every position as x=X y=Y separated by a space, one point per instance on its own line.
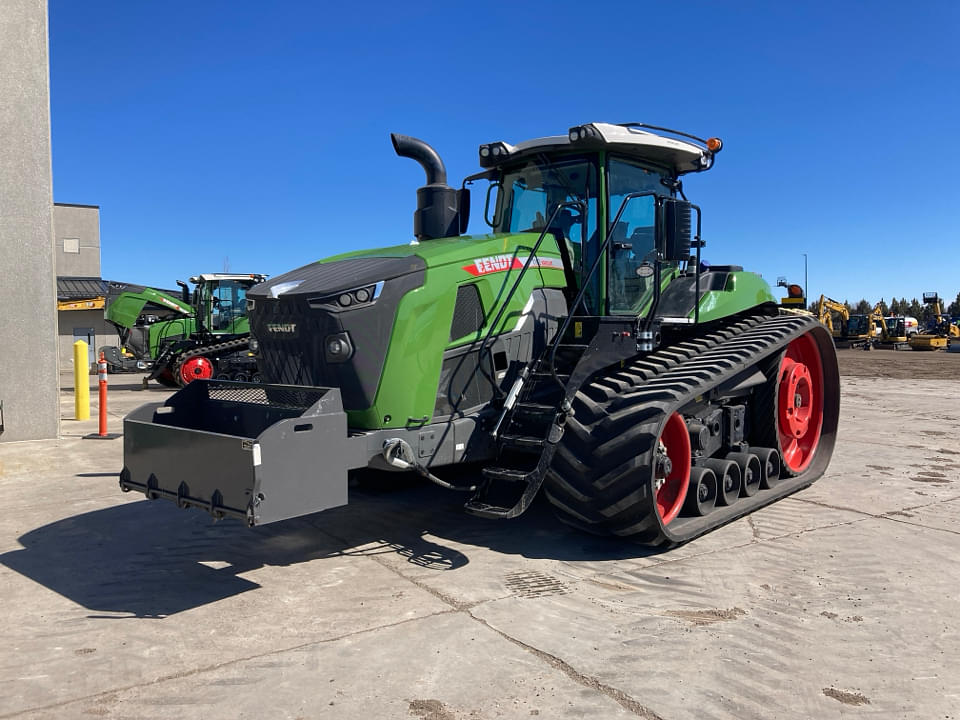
x=256 y=135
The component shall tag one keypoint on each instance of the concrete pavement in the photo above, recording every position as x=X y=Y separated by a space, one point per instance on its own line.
x=837 y=602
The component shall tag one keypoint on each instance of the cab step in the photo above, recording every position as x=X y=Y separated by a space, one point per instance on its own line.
x=523 y=443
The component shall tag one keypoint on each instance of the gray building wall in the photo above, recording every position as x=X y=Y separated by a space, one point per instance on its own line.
x=76 y=240
x=86 y=325
x=28 y=314
x=76 y=246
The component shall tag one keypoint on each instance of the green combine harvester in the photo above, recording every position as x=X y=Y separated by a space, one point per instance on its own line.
x=581 y=347
x=188 y=338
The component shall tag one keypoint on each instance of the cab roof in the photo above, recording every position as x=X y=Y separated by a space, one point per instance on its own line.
x=209 y=277
x=690 y=154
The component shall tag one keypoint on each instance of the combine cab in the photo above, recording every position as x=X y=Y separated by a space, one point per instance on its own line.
x=582 y=349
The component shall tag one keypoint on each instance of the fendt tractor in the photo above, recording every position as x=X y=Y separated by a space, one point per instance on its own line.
x=583 y=347
x=206 y=335
x=145 y=319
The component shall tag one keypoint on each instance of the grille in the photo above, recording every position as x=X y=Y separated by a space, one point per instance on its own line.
x=467 y=313
x=296 y=357
x=271 y=395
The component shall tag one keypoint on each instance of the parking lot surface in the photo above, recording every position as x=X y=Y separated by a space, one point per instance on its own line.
x=837 y=602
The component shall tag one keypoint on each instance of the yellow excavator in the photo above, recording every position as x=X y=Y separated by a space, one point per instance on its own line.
x=939 y=332
x=861 y=331
x=849 y=331
x=826 y=307
x=893 y=333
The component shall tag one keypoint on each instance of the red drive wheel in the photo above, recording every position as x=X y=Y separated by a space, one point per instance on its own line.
x=196 y=368
x=672 y=489
x=800 y=403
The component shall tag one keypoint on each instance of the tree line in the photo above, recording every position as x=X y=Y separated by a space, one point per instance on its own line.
x=913 y=307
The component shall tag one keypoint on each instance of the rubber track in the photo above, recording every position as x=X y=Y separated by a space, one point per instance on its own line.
x=232 y=345
x=601 y=477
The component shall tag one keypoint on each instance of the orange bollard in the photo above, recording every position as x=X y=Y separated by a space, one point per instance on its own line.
x=102 y=377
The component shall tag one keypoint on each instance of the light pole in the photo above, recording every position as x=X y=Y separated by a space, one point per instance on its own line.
x=805 y=275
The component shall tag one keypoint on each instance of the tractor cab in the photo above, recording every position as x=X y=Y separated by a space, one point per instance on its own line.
x=221 y=302
x=618 y=177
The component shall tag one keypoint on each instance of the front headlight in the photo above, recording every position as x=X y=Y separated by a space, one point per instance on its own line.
x=338 y=348
x=254 y=345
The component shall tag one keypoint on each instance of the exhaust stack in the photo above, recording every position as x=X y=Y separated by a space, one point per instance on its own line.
x=438 y=204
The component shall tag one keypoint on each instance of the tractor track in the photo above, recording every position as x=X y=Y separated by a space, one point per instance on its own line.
x=231 y=345
x=602 y=475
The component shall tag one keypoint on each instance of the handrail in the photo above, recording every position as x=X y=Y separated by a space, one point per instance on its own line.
x=579 y=205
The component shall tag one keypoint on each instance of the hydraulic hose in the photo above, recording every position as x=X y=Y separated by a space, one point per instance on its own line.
x=398 y=453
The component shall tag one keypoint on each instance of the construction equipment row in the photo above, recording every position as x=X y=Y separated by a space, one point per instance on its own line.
x=875 y=329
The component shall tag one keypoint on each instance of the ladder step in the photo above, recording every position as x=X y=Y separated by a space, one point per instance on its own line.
x=572 y=346
x=482 y=509
x=526 y=443
x=537 y=410
x=547 y=374
x=506 y=474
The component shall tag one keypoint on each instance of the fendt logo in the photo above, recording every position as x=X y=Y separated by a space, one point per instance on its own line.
x=282 y=328
x=500 y=263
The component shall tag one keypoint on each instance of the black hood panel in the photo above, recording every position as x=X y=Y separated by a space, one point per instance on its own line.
x=294 y=324
x=323 y=278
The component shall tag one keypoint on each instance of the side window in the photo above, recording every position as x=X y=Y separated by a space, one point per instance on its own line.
x=633 y=249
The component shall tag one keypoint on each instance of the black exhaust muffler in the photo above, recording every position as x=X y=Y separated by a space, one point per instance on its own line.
x=438 y=205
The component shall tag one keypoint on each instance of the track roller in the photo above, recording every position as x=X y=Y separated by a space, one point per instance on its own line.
x=701 y=493
x=769 y=466
x=749 y=472
x=728 y=479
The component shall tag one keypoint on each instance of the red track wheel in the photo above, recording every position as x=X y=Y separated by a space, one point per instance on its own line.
x=672 y=490
x=196 y=368
x=800 y=403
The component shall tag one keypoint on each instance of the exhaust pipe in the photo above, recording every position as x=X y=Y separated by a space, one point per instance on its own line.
x=438 y=211
x=429 y=159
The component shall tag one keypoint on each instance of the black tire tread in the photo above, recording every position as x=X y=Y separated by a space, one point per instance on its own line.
x=600 y=478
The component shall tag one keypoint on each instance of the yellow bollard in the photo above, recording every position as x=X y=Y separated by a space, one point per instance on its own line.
x=81 y=381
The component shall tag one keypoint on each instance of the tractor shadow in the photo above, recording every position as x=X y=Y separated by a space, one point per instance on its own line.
x=149 y=559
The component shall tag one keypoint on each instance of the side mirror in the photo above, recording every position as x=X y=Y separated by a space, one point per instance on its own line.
x=486 y=207
x=463 y=209
x=678 y=230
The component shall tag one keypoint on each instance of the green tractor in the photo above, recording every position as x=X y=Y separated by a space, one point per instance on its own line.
x=180 y=340
x=582 y=347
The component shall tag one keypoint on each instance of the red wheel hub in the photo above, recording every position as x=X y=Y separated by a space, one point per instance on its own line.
x=672 y=489
x=196 y=368
x=800 y=403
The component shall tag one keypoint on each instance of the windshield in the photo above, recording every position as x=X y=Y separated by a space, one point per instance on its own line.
x=895 y=325
x=530 y=193
x=229 y=300
x=857 y=325
x=533 y=191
